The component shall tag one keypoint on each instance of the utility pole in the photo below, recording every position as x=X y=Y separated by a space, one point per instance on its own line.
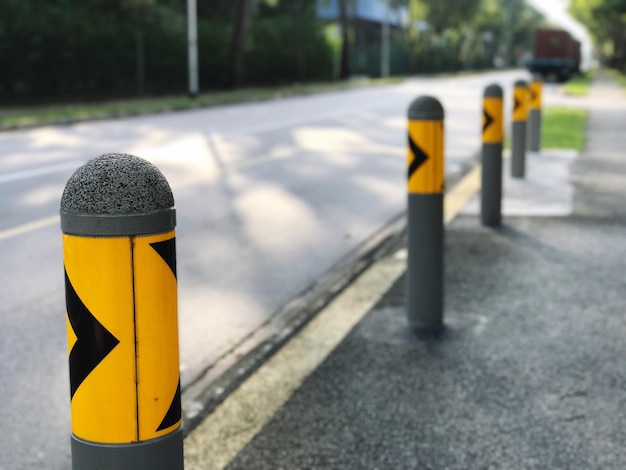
x=192 y=33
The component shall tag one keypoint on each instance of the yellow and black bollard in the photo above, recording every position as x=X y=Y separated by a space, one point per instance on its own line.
x=534 y=117
x=518 y=138
x=493 y=135
x=118 y=220
x=425 y=216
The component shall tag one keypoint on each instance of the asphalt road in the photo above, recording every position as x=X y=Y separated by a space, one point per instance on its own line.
x=269 y=196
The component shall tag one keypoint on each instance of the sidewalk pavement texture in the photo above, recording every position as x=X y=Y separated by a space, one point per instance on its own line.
x=530 y=371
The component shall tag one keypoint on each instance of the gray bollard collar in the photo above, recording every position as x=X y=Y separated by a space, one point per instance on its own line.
x=117 y=195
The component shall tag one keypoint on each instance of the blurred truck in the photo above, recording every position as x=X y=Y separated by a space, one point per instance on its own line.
x=556 y=55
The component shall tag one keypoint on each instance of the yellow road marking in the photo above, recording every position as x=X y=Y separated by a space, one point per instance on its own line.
x=461 y=194
x=233 y=424
x=29 y=227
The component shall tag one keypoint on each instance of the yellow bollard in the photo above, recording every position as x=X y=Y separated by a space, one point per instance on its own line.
x=518 y=139
x=118 y=221
x=534 y=117
x=493 y=135
x=425 y=216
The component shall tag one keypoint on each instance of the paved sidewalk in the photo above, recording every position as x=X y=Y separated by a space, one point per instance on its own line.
x=531 y=369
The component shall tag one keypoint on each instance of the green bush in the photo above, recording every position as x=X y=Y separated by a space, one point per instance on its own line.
x=77 y=50
x=73 y=51
x=213 y=53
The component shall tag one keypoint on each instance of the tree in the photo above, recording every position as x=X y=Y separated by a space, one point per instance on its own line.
x=139 y=11
x=606 y=20
x=302 y=15
x=344 y=59
x=241 y=16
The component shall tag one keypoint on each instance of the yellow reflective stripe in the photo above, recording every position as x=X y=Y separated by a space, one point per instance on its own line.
x=104 y=404
x=520 y=103
x=493 y=124
x=425 y=154
x=126 y=292
x=157 y=335
x=535 y=95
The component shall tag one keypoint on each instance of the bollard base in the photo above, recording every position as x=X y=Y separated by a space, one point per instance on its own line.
x=518 y=149
x=164 y=453
x=534 y=130
x=428 y=332
x=425 y=234
x=491 y=192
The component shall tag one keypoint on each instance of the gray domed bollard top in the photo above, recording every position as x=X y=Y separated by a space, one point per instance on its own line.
x=119 y=254
x=493 y=134
x=518 y=138
x=425 y=216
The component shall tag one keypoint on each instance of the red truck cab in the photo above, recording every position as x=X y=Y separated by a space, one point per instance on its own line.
x=556 y=55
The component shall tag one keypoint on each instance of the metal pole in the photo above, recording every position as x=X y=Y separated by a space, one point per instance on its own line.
x=119 y=254
x=534 y=118
x=425 y=216
x=192 y=32
x=518 y=139
x=493 y=133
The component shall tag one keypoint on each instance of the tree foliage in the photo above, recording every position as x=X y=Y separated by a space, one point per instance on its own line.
x=606 y=20
x=86 y=49
x=465 y=34
x=91 y=49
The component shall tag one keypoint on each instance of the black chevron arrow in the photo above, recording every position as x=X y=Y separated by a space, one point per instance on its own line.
x=419 y=157
x=93 y=341
x=488 y=120
x=167 y=250
x=517 y=104
x=174 y=413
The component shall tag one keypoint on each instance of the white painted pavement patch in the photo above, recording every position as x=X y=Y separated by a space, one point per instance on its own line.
x=545 y=190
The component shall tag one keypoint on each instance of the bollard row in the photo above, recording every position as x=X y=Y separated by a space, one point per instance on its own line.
x=425 y=163
x=118 y=222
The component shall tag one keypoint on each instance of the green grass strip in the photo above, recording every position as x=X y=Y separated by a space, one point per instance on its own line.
x=29 y=116
x=578 y=86
x=563 y=128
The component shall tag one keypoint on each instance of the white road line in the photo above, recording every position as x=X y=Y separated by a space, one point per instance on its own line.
x=39 y=171
x=30 y=227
